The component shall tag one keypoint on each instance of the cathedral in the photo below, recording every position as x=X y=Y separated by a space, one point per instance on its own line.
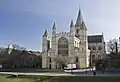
x=69 y=47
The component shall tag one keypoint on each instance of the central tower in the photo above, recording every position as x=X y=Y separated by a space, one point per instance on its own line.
x=81 y=34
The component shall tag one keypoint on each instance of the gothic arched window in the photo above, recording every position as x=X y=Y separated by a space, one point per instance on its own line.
x=99 y=48
x=49 y=66
x=94 y=48
x=50 y=60
x=93 y=59
x=77 y=31
x=93 y=56
x=77 y=59
x=89 y=47
x=63 y=46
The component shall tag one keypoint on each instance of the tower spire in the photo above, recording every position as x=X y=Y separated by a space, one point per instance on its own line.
x=54 y=30
x=45 y=33
x=54 y=25
x=79 y=18
x=71 y=24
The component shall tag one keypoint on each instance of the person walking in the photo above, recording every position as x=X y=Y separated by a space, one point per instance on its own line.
x=86 y=72
x=94 y=73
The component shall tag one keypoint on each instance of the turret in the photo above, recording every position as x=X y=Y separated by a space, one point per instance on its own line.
x=45 y=33
x=45 y=41
x=71 y=39
x=54 y=30
x=54 y=44
x=72 y=29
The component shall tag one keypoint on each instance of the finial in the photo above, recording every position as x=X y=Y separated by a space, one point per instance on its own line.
x=79 y=7
x=45 y=33
x=54 y=25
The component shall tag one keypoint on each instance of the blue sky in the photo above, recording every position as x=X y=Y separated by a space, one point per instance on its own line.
x=23 y=21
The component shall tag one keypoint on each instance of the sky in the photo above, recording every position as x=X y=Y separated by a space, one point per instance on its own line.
x=23 y=21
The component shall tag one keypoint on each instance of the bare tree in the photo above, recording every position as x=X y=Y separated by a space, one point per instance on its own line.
x=61 y=60
x=111 y=46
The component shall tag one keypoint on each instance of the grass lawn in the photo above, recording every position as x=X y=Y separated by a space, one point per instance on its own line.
x=59 y=79
x=85 y=79
x=4 y=79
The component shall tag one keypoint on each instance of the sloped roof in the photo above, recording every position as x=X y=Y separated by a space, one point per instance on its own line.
x=95 y=38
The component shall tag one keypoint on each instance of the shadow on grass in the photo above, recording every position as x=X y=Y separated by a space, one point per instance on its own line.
x=68 y=78
x=12 y=76
x=35 y=78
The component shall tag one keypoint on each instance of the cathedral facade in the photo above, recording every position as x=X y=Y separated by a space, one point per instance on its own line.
x=66 y=47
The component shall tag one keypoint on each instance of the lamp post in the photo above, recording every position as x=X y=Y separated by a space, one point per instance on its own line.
x=71 y=68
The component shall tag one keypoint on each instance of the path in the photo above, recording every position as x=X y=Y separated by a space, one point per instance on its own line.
x=37 y=74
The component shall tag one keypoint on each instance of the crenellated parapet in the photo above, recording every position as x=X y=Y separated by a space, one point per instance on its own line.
x=63 y=34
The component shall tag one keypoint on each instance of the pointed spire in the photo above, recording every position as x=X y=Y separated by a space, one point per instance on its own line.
x=79 y=19
x=71 y=24
x=54 y=25
x=45 y=33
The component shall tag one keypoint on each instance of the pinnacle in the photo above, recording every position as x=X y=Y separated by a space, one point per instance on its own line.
x=71 y=24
